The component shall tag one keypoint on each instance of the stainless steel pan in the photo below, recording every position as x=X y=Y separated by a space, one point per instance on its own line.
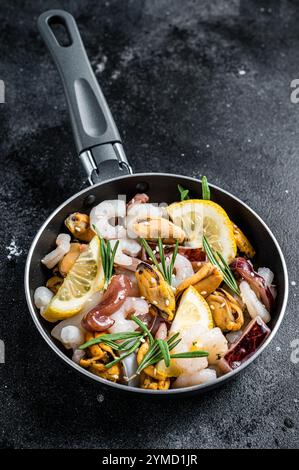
x=100 y=150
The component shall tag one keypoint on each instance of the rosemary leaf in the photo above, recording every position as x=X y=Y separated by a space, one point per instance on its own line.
x=111 y=337
x=150 y=253
x=189 y=355
x=173 y=258
x=162 y=258
x=183 y=192
x=163 y=345
x=218 y=261
x=113 y=253
x=144 y=328
x=206 y=194
x=135 y=345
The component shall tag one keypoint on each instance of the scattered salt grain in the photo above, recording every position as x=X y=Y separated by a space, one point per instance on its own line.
x=100 y=398
x=13 y=249
x=293 y=283
x=242 y=72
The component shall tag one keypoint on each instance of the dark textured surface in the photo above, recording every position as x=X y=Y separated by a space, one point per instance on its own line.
x=174 y=78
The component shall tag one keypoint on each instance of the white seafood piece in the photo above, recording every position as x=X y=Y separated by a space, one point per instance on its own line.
x=127 y=250
x=75 y=321
x=104 y=214
x=161 y=331
x=130 y=367
x=192 y=365
x=234 y=336
x=267 y=274
x=78 y=354
x=132 y=305
x=182 y=269
x=42 y=298
x=198 y=337
x=139 y=212
x=253 y=304
x=63 y=242
x=214 y=342
x=71 y=336
x=197 y=378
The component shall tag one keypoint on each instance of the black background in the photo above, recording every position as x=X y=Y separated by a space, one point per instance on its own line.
x=175 y=83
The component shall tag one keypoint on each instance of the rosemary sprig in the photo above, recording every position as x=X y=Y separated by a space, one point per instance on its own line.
x=184 y=193
x=166 y=269
x=144 y=328
x=107 y=256
x=206 y=193
x=112 y=338
x=217 y=259
x=160 y=350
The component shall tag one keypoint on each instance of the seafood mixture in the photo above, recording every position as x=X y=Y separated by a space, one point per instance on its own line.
x=156 y=296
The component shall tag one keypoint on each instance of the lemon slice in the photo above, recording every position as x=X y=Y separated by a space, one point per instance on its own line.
x=199 y=217
x=84 y=279
x=193 y=312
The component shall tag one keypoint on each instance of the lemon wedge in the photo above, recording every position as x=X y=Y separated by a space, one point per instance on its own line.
x=198 y=217
x=193 y=312
x=84 y=279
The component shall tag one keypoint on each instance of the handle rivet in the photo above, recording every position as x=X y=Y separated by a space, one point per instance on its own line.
x=89 y=200
x=142 y=187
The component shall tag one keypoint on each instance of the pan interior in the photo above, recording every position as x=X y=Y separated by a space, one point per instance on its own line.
x=160 y=188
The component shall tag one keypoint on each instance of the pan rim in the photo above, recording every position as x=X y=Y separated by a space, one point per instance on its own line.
x=127 y=388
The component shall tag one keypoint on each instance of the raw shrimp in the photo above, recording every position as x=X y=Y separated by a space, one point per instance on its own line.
x=75 y=322
x=214 y=342
x=42 y=298
x=197 y=378
x=63 y=242
x=132 y=305
x=253 y=304
x=126 y=253
x=182 y=269
x=139 y=212
x=103 y=213
x=192 y=365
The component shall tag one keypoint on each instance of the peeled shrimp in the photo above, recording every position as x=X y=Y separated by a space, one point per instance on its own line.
x=42 y=298
x=192 y=365
x=197 y=378
x=253 y=304
x=198 y=337
x=132 y=305
x=63 y=242
x=102 y=215
x=139 y=212
x=182 y=269
x=126 y=253
x=63 y=335
x=214 y=342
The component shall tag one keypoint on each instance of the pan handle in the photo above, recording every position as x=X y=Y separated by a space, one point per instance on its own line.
x=96 y=136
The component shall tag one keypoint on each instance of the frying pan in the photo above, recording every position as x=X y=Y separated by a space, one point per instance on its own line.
x=100 y=150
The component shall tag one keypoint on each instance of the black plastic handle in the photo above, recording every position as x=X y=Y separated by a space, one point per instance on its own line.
x=90 y=116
